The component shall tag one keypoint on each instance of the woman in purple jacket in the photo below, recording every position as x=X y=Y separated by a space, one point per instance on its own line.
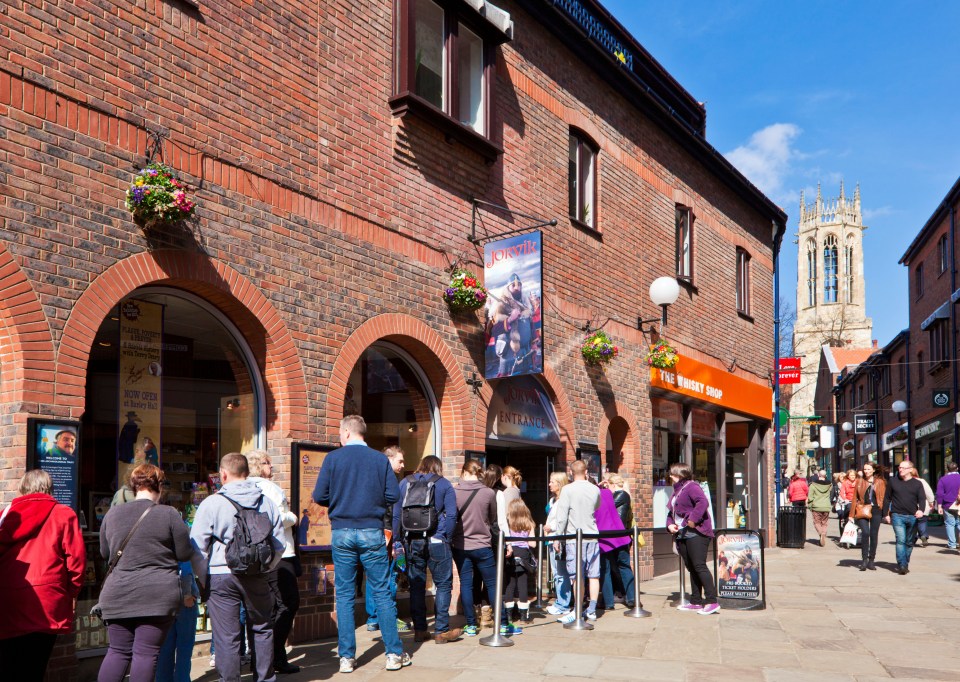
x=688 y=518
x=614 y=552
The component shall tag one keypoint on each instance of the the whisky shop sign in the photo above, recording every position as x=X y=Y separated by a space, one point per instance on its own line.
x=710 y=384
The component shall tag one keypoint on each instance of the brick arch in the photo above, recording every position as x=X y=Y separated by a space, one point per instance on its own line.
x=631 y=443
x=219 y=284
x=26 y=343
x=433 y=356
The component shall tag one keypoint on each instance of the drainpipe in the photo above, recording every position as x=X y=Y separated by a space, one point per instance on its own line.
x=779 y=231
x=911 y=420
x=953 y=324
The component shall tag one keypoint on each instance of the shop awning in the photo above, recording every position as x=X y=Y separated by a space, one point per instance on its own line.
x=941 y=313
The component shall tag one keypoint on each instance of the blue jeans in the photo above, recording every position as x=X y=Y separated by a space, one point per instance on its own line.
x=905 y=528
x=173 y=664
x=353 y=547
x=561 y=581
x=369 y=602
x=437 y=557
x=615 y=566
x=484 y=562
x=951 y=521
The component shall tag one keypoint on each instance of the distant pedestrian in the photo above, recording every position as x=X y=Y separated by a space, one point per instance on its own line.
x=688 y=519
x=397 y=460
x=870 y=492
x=42 y=559
x=357 y=485
x=819 y=502
x=798 y=490
x=848 y=487
x=931 y=499
x=558 y=562
x=948 y=489
x=903 y=506
x=576 y=508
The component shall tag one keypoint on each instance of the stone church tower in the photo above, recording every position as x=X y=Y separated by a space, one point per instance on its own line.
x=831 y=295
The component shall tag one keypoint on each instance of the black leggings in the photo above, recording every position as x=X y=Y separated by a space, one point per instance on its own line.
x=24 y=658
x=516 y=588
x=693 y=551
x=869 y=531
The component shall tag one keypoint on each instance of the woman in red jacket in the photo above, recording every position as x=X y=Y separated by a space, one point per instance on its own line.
x=798 y=490
x=42 y=558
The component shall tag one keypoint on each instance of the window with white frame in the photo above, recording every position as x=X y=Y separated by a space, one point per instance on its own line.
x=939 y=341
x=684 y=220
x=942 y=254
x=743 y=281
x=582 y=182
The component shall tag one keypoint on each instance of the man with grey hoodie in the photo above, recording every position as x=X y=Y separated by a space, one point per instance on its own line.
x=212 y=530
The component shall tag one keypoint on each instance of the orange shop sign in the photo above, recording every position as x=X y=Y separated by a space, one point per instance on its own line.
x=697 y=380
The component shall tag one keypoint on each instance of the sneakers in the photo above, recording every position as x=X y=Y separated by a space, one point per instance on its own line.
x=690 y=607
x=902 y=570
x=568 y=617
x=347 y=665
x=471 y=630
x=709 y=609
x=213 y=661
x=397 y=661
x=372 y=627
x=590 y=615
x=402 y=626
x=509 y=629
x=555 y=610
x=448 y=636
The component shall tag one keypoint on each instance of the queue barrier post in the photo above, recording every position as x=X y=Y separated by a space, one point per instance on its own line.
x=539 y=603
x=637 y=611
x=683 y=583
x=578 y=623
x=496 y=639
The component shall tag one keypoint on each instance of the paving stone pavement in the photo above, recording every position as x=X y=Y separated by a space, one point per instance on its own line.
x=825 y=621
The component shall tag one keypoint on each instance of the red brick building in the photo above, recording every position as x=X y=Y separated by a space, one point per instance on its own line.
x=335 y=152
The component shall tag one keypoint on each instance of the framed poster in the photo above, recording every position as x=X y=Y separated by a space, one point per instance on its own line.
x=478 y=456
x=592 y=459
x=54 y=446
x=313 y=530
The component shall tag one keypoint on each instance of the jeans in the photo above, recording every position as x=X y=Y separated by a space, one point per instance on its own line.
x=134 y=643
x=561 y=580
x=173 y=665
x=905 y=528
x=693 y=551
x=367 y=547
x=615 y=570
x=437 y=557
x=368 y=597
x=950 y=521
x=483 y=562
x=228 y=592
x=922 y=526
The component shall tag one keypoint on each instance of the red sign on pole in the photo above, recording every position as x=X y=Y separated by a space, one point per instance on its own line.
x=788 y=370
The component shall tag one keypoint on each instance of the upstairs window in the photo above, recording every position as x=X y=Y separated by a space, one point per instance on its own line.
x=885 y=380
x=830 y=270
x=743 y=282
x=918 y=280
x=582 y=163
x=684 y=219
x=859 y=395
x=939 y=341
x=942 y=254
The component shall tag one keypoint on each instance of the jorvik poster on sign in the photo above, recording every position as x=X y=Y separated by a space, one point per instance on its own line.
x=738 y=566
x=512 y=272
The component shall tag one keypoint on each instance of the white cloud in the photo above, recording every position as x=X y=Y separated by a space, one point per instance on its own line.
x=766 y=159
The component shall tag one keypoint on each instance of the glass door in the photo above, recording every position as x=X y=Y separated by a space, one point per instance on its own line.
x=736 y=490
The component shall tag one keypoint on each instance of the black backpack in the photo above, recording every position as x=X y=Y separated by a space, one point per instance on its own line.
x=250 y=551
x=418 y=513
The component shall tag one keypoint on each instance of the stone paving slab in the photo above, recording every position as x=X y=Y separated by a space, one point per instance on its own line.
x=825 y=621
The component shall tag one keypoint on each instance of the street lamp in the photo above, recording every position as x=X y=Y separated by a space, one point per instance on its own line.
x=899 y=407
x=664 y=292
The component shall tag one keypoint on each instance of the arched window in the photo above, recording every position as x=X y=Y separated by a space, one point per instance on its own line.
x=830 y=269
x=811 y=273
x=848 y=268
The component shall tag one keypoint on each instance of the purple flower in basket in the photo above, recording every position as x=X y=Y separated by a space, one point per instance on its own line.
x=138 y=194
x=451 y=292
x=480 y=295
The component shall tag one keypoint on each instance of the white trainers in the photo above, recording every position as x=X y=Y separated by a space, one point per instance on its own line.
x=568 y=617
x=347 y=665
x=395 y=662
x=213 y=661
x=555 y=610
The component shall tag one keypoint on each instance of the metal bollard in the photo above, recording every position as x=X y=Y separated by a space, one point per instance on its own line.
x=496 y=639
x=578 y=623
x=683 y=583
x=539 y=603
x=637 y=611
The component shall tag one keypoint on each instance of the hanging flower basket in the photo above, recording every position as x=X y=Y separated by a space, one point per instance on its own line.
x=158 y=197
x=465 y=293
x=662 y=355
x=598 y=349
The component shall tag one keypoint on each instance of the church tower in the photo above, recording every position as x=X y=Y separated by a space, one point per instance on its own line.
x=831 y=294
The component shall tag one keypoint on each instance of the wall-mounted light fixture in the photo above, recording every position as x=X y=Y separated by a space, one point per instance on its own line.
x=664 y=292
x=412 y=428
x=233 y=404
x=476 y=383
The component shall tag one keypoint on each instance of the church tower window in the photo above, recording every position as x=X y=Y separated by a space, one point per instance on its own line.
x=811 y=273
x=830 y=269
x=848 y=268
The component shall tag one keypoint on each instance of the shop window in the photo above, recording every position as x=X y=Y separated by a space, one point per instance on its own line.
x=743 y=282
x=830 y=269
x=668 y=446
x=582 y=183
x=939 y=342
x=170 y=382
x=918 y=280
x=444 y=67
x=943 y=255
x=684 y=224
x=705 y=437
x=388 y=389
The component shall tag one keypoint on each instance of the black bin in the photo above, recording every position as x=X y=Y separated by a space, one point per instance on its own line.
x=792 y=527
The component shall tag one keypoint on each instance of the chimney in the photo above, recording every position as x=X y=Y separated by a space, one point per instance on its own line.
x=876 y=343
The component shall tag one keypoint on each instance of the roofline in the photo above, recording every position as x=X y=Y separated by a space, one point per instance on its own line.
x=952 y=197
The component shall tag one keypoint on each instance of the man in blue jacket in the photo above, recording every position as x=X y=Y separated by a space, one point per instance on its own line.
x=357 y=486
x=430 y=551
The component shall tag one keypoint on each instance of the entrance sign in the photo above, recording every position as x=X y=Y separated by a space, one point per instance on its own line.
x=710 y=384
x=513 y=276
x=739 y=567
x=865 y=423
x=521 y=411
x=54 y=446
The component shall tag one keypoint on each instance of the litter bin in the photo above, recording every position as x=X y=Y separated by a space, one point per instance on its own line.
x=792 y=527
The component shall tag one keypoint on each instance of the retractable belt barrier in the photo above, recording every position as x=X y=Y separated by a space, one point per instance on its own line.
x=498 y=640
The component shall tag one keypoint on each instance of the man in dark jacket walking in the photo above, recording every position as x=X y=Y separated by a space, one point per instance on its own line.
x=904 y=504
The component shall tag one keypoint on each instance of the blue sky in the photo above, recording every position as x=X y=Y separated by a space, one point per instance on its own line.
x=798 y=93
